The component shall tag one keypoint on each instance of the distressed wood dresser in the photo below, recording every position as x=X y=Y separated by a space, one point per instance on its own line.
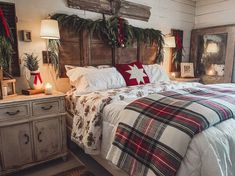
x=32 y=131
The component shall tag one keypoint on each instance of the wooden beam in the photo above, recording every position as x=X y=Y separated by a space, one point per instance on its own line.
x=99 y=6
x=113 y=7
x=134 y=11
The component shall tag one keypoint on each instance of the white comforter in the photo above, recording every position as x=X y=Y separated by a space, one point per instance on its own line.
x=211 y=153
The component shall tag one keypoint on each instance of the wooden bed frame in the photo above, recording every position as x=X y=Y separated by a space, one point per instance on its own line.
x=84 y=50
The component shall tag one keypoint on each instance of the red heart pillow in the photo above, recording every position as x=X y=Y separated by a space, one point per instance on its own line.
x=133 y=73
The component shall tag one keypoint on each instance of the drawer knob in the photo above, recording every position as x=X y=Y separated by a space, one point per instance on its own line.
x=47 y=108
x=13 y=113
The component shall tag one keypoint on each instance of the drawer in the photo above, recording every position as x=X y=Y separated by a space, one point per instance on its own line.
x=46 y=107
x=14 y=111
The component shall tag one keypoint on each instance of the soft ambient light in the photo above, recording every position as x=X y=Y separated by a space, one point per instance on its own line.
x=48 y=89
x=169 y=42
x=212 y=48
x=50 y=29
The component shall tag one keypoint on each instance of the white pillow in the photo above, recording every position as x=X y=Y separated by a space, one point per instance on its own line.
x=87 y=80
x=70 y=67
x=74 y=74
x=156 y=73
x=103 y=66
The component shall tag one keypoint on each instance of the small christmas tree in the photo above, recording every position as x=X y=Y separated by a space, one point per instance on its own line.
x=31 y=62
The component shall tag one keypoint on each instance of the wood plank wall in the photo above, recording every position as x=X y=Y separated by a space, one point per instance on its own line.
x=214 y=13
x=171 y=14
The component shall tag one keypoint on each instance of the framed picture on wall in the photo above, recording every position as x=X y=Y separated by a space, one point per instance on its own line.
x=187 y=70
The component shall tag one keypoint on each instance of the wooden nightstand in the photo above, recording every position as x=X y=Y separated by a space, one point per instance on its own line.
x=32 y=130
x=186 y=79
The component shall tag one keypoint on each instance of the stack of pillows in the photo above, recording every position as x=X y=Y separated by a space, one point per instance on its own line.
x=89 y=79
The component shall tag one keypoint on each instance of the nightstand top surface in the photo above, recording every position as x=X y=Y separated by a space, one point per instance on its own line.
x=31 y=97
x=186 y=79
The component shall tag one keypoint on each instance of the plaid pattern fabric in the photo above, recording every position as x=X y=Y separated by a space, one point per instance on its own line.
x=154 y=133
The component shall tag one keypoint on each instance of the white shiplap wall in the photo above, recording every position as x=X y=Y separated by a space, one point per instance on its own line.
x=214 y=13
x=165 y=15
x=170 y=14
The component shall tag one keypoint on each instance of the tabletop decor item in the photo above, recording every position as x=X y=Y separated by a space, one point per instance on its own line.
x=187 y=70
x=48 y=89
x=31 y=63
x=8 y=88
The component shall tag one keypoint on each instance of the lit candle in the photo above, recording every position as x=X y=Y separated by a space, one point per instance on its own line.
x=173 y=74
x=211 y=72
x=48 y=89
x=5 y=91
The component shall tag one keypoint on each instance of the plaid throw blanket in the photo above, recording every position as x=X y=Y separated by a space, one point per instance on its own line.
x=154 y=133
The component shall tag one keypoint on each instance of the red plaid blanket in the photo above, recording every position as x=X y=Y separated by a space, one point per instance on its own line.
x=154 y=133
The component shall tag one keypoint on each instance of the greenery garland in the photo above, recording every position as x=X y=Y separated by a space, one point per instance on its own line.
x=107 y=30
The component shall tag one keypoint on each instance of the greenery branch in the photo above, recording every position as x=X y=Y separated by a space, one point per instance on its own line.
x=106 y=30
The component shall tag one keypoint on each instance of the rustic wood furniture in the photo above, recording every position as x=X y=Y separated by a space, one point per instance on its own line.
x=195 y=52
x=86 y=50
x=32 y=131
x=186 y=79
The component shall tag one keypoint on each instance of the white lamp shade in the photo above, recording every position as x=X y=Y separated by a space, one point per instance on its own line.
x=50 y=29
x=169 y=42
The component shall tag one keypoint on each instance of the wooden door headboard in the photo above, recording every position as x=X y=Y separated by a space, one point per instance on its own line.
x=84 y=50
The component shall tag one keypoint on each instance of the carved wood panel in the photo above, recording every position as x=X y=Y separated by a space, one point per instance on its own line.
x=127 y=55
x=99 y=52
x=70 y=50
x=148 y=53
x=16 y=145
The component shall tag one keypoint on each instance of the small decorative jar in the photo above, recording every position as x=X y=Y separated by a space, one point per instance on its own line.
x=35 y=80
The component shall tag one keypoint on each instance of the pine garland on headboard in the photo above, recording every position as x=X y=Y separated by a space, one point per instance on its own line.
x=115 y=31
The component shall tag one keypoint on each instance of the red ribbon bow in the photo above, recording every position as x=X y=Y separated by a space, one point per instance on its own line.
x=120 y=31
x=36 y=78
x=178 y=41
x=4 y=22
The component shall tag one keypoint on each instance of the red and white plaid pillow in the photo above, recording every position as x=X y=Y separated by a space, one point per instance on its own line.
x=133 y=73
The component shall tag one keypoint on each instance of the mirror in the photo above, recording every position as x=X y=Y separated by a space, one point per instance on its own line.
x=212 y=53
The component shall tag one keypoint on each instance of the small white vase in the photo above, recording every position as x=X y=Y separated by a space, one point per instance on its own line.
x=35 y=80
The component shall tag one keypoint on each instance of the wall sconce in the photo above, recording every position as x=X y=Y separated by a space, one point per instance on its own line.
x=49 y=30
x=212 y=48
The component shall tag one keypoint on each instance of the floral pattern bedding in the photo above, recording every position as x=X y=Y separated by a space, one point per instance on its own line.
x=87 y=110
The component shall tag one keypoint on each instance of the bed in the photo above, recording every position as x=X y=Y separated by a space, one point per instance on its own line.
x=211 y=152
